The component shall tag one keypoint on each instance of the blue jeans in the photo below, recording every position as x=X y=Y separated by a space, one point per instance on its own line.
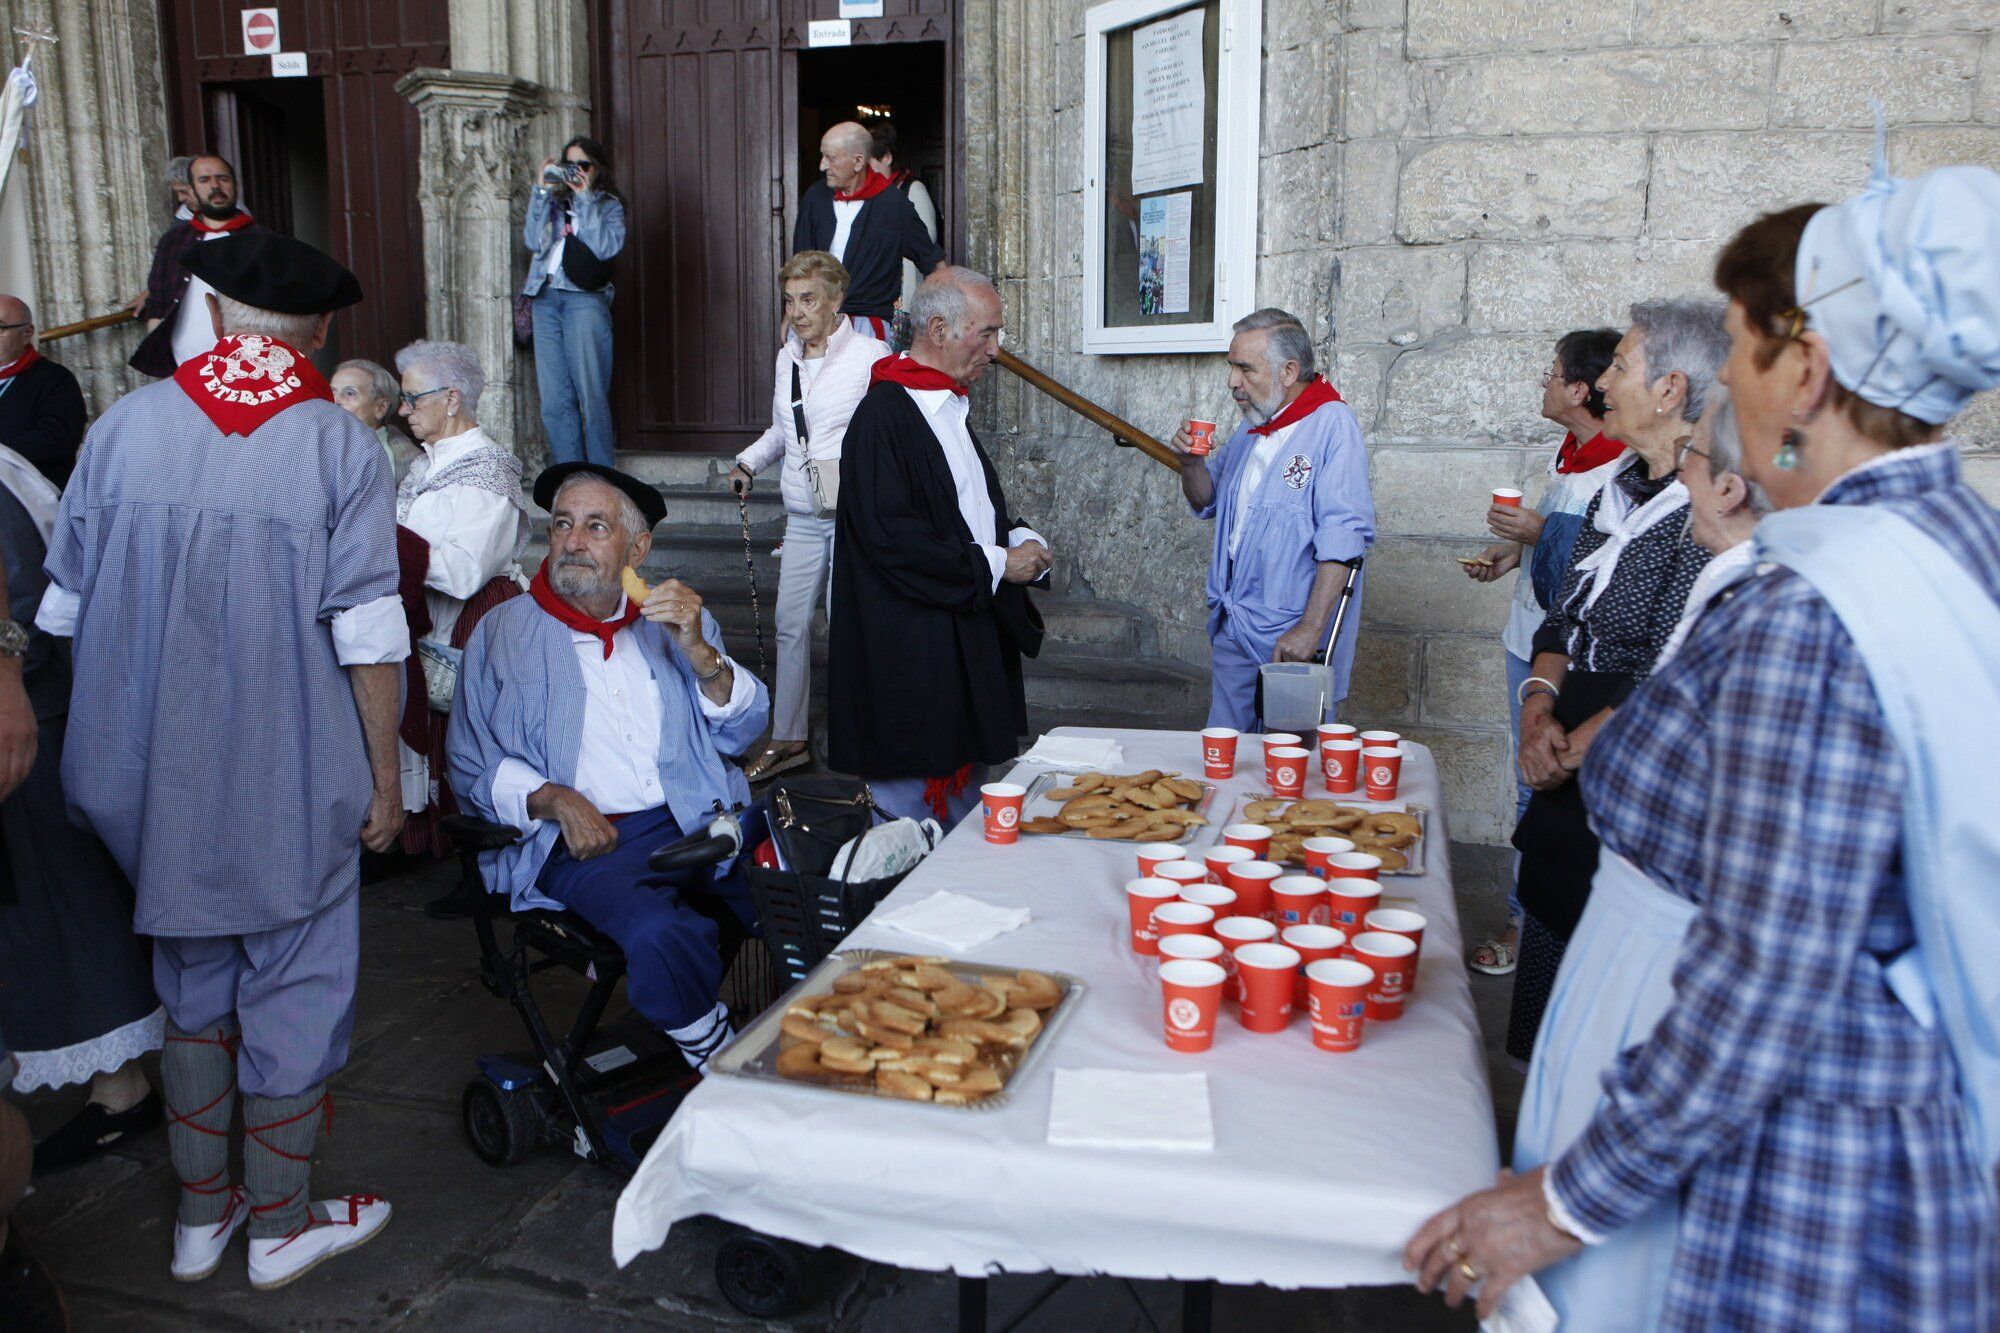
x=1518 y=669
x=573 y=372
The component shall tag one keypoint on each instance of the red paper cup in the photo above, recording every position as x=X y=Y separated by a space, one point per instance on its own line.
x=1266 y=973
x=1234 y=932
x=1340 y=764
x=1278 y=740
x=1312 y=943
x=1336 y=731
x=1298 y=900
x=1201 y=436
x=1220 y=857
x=1353 y=865
x=1141 y=897
x=1381 y=772
x=1153 y=855
x=1218 y=752
x=1181 y=873
x=1204 y=947
x=1392 y=739
x=1215 y=897
x=1192 y=1000
x=1319 y=850
x=1252 y=882
x=1285 y=768
x=1349 y=901
x=1251 y=837
x=1337 y=1001
x=1179 y=918
x=1002 y=803
x=1393 y=959
x=1506 y=495
x=1398 y=921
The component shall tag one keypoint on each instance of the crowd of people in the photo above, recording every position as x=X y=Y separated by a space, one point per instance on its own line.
x=1751 y=649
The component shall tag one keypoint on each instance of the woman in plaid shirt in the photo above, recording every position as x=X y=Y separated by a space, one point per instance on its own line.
x=1767 y=1093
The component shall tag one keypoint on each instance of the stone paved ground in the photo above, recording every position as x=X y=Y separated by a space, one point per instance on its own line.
x=529 y=1247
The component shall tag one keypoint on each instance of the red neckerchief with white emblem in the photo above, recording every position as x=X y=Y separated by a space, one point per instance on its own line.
x=246 y=379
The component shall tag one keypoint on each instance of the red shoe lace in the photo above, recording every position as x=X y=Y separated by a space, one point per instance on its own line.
x=325 y=1103
x=355 y=1203
x=187 y=1117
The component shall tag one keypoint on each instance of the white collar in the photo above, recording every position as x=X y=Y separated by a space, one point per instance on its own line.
x=579 y=636
x=933 y=400
x=449 y=450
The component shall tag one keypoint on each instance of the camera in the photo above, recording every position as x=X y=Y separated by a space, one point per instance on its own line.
x=561 y=173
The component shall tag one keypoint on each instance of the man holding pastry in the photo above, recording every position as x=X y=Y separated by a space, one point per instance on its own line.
x=596 y=715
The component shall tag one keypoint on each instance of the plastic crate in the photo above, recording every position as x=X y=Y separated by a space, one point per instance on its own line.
x=805 y=917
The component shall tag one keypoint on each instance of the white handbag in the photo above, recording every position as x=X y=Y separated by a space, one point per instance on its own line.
x=823 y=475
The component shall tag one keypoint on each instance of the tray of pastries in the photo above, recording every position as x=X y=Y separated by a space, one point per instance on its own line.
x=870 y=1023
x=1397 y=836
x=1155 y=805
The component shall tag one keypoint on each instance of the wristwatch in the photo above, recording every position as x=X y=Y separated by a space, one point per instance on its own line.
x=13 y=639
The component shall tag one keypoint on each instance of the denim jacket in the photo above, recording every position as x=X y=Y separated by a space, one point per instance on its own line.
x=600 y=224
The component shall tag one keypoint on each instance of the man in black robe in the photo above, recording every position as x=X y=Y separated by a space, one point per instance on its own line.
x=930 y=614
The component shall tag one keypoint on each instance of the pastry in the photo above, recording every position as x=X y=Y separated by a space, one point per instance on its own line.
x=635 y=587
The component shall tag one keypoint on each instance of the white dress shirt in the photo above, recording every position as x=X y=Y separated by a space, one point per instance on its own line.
x=946 y=412
x=617 y=764
x=472 y=532
x=844 y=213
x=1254 y=468
x=194 y=330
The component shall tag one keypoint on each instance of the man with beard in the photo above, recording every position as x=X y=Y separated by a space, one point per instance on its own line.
x=855 y=215
x=1292 y=509
x=601 y=728
x=176 y=316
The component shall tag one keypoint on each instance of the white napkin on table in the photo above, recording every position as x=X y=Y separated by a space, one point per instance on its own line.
x=1117 y=1108
x=1086 y=752
x=954 y=920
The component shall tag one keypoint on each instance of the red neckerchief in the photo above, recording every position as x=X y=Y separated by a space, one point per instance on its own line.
x=1574 y=457
x=246 y=379
x=551 y=601
x=872 y=183
x=20 y=363
x=905 y=370
x=939 y=791
x=901 y=176
x=201 y=223
x=1318 y=393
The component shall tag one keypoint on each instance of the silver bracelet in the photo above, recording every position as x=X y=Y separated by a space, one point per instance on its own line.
x=1521 y=695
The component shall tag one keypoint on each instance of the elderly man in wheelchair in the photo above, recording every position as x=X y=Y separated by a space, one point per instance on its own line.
x=599 y=728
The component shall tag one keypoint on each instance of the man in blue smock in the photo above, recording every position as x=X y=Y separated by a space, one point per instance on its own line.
x=600 y=728
x=1290 y=499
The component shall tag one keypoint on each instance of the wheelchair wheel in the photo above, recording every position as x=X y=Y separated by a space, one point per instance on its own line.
x=502 y=1126
x=761 y=1276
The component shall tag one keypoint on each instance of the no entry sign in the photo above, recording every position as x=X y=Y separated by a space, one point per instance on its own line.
x=260 y=32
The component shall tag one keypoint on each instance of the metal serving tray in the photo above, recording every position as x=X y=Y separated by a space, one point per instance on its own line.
x=754 y=1053
x=1414 y=852
x=1037 y=805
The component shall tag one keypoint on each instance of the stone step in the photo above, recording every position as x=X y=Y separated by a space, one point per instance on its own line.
x=677 y=469
x=1076 y=626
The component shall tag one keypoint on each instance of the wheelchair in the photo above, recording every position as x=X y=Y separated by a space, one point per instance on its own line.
x=607 y=1091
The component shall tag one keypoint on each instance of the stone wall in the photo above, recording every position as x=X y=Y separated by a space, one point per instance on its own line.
x=1447 y=185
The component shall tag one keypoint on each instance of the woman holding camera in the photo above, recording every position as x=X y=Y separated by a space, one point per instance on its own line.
x=576 y=224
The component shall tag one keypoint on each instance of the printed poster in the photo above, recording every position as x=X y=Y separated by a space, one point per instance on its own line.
x=1165 y=251
x=1169 y=103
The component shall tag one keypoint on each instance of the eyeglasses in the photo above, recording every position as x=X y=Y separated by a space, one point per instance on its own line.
x=24 y=324
x=580 y=163
x=410 y=400
x=1686 y=447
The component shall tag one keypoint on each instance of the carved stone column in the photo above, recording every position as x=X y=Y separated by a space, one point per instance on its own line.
x=473 y=191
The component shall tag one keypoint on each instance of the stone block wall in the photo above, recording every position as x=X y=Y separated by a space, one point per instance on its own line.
x=1447 y=186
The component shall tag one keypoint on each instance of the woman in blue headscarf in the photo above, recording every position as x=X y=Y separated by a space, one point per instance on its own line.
x=1767 y=1091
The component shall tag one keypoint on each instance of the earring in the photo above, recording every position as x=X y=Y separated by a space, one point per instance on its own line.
x=1787 y=457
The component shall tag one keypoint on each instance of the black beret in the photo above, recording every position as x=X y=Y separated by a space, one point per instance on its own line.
x=272 y=271
x=652 y=505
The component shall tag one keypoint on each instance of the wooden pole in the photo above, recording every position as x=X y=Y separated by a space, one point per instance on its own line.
x=85 y=326
x=1122 y=431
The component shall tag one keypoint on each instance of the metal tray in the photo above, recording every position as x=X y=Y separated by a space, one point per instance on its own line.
x=754 y=1053
x=1038 y=805
x=1415 y=851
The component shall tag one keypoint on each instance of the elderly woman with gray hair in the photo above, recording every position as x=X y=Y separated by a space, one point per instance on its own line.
x=369 y=393
x=463 y=498
x=1630 y=574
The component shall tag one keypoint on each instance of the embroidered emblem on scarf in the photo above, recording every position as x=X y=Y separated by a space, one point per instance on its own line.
x=246 y=379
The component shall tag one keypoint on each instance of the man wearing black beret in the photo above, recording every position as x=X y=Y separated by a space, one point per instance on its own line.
x=225 y=561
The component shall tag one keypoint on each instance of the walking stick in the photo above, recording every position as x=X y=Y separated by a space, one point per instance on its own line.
x=750 y=565
x=1325 y=654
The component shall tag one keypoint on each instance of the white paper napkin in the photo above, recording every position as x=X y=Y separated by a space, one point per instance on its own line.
x=1524 y=1309
x=1089 y=752
x=953 y=920
x=1117 y=1108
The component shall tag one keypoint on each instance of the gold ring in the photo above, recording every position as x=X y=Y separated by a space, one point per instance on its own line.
x=1457 y=1250
x=1467 y=1271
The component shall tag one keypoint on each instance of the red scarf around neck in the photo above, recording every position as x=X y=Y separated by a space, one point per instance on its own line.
x=1575 y=457
x=873 y=183
x=582 y=622
x=201 y=223
x=248 y=378
x=1318 y=393
x=905 y=370
x=20 y=363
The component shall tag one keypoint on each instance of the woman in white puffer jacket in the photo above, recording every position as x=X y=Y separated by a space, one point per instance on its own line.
x=829 y=360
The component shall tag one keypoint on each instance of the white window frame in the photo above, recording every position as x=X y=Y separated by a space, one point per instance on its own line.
x=1238 y=130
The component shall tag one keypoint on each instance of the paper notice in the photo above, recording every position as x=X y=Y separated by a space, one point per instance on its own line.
x=1165 y=249
x=1169 y=103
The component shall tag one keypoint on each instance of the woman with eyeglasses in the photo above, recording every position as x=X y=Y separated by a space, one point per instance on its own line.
x=463 y=500
x=575 y=226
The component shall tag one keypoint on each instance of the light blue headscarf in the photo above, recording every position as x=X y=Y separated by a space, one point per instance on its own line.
x=1903 y=281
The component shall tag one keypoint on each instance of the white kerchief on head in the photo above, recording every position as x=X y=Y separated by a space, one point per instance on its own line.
x=1903 y=282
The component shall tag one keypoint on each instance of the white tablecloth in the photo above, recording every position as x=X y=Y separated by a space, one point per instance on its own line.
x=1323 y=1166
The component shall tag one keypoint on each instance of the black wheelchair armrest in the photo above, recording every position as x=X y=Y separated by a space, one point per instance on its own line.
x=704 y=849
x=480 y=835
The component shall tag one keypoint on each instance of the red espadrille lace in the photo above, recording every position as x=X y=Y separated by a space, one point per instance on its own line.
x=355 y=1203
x=187 y=1117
